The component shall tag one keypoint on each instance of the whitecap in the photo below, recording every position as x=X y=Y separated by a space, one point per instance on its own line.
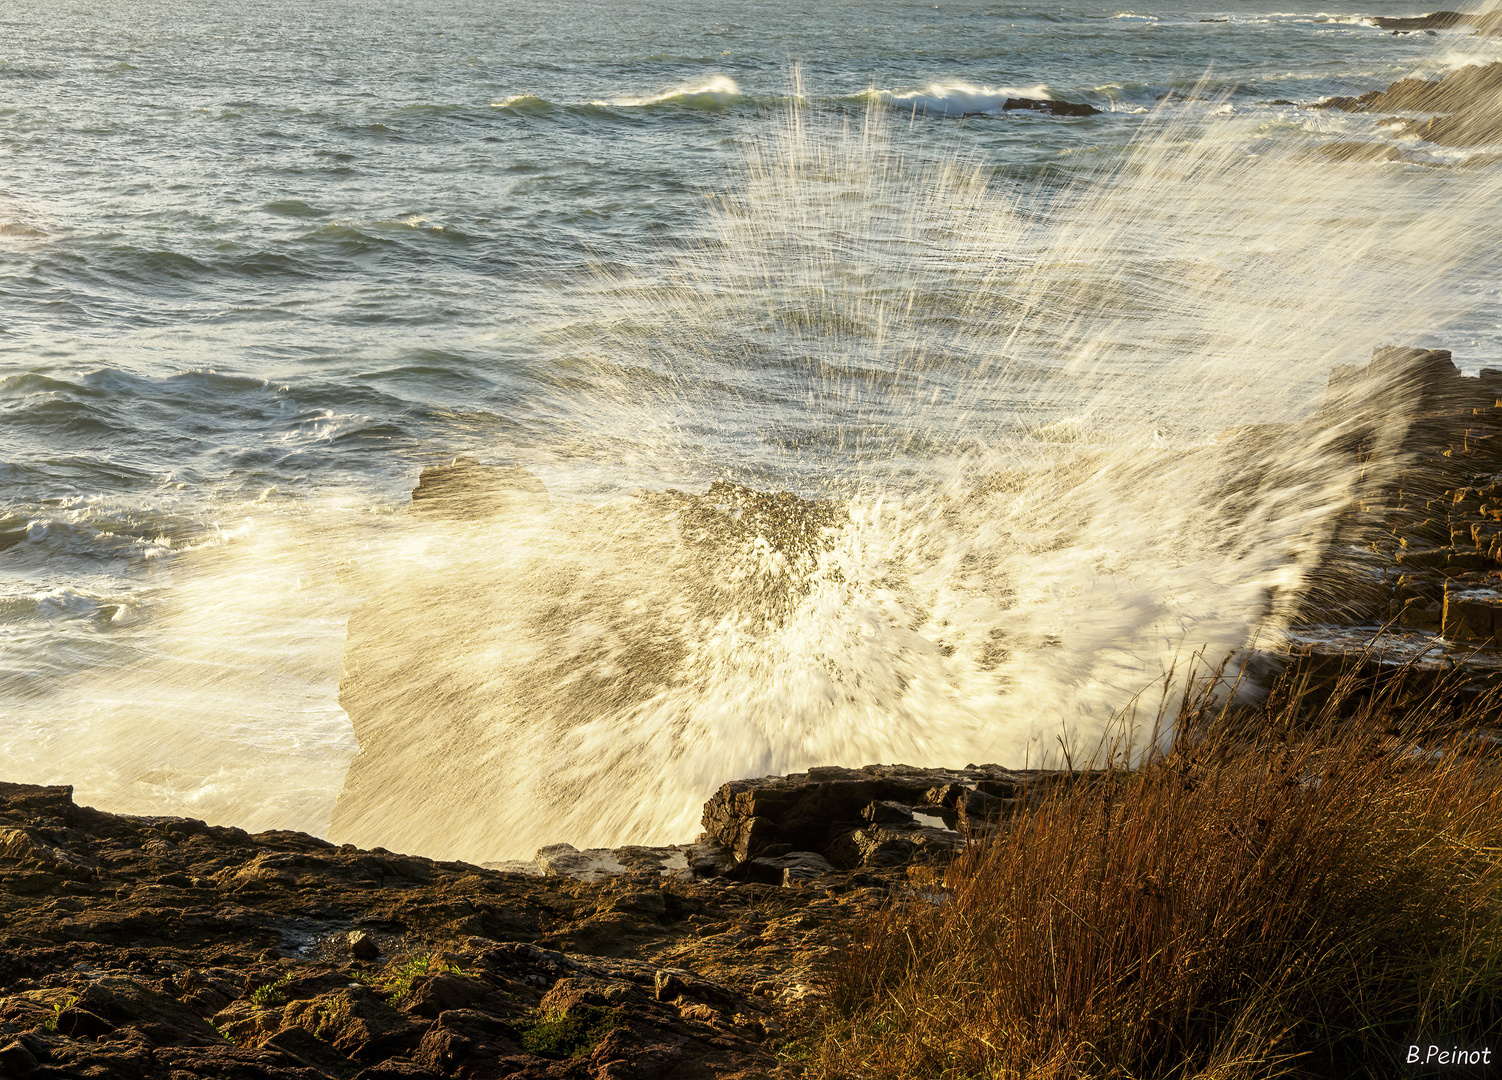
x=523 y=103
x=958 y=98
x=68 y=603
x=716 y=92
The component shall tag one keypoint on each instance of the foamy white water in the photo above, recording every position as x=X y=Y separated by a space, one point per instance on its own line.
x=1048 y=511
x=1005 y=354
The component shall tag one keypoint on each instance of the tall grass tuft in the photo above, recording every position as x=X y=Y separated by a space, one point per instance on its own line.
x=1301 y=889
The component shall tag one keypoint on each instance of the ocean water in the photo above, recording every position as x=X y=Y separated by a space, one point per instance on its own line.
x=262 y=262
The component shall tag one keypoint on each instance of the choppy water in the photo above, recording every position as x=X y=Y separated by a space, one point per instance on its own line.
x=261 y=262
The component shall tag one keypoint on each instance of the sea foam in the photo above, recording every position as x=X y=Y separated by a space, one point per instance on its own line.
x=956 y=98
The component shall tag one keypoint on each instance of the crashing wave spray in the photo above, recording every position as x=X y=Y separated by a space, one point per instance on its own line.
x=1032 y=425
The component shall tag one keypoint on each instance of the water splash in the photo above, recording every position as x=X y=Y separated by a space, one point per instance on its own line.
x=1052 y=428
x=1054 y=440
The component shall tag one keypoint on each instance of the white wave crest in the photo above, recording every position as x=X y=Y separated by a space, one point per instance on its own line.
x=717 y=91
x=958 y=98
x=523 y=103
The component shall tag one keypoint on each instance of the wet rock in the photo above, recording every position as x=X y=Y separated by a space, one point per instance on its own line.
x=307 y=1049
x=1050 y=106
x=466 y=1036
x=1405 y=536
x=899 y=845
x=1465 y=106
x=610 y=934
x=16 y=1059
x=443 y=992
x=444 y=1052
x=709 y=858
x=113 y=1002
x=233 y=1063
x=820 y=810
x=668 y=984
x=1435 y=20
x=651 y=903
x=358 y=1024
x=1436 y=558
x=1420 y=614
x=675 y=984
x=568 y=860
x=396 y=1068
x=887 y=812
x=1421 y=543
x=576 y=990
x=363 y=945
x=791 y=869
x=884 y=846
x=278 y=981
x=1473 y=616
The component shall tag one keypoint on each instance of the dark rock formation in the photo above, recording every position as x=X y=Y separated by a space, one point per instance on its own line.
x=1050 y=106
x=1436 y=20
x=1382 y=555
x=1442 y=515
x=1419 y=572
x=1483 y=23
x=1466 y=105
x=881 y=815
x=167 y=949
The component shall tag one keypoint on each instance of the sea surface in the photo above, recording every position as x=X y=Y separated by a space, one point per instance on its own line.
x=262 y=262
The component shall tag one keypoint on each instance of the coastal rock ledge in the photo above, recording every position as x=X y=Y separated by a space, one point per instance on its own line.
x=163 y=948
x=881 y=815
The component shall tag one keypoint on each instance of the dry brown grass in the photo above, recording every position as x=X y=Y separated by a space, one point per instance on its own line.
x=1293 y=890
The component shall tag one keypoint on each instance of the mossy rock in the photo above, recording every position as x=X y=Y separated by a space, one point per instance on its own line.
x=572 y=1034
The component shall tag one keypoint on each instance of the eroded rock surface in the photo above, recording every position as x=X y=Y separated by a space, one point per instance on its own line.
x=881 y=815
x=1434 y=557
x=167 y=949
x=1410 y=596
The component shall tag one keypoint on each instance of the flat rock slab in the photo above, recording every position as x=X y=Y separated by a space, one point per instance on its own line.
x=840 y=813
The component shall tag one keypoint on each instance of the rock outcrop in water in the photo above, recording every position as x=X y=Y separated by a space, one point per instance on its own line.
x=1413 y=585
x=1050 y=106
x=881 y=815
x=1439 y=551
x=1465 y=106
x=1487 y=23
x=1435 y=20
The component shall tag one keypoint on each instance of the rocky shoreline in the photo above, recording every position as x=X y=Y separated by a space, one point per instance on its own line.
x=167 y=949
x=163 y=948
x=138 y=948
x=1413 y=583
